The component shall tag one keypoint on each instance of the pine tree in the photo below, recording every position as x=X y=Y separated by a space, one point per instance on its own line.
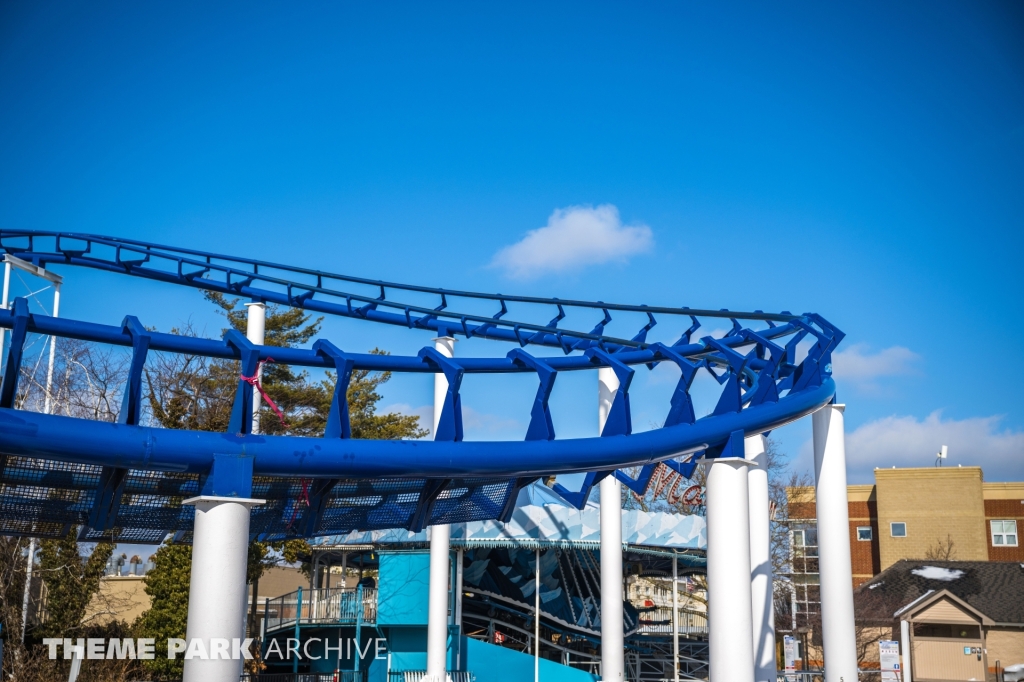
x=198 y=394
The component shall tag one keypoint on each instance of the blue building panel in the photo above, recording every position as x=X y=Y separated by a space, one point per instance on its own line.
x=404 y=588
x=491 y=663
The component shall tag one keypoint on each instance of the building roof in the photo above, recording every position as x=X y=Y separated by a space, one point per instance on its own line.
x=995 y=588
x=542 y=518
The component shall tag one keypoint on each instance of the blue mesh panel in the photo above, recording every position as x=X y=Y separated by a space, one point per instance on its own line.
x=470 y=500
x=47 y=499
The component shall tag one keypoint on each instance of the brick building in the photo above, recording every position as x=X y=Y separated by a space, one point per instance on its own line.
x=947 y=513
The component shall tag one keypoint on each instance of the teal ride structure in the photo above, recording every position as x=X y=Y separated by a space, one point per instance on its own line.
x=369 y=584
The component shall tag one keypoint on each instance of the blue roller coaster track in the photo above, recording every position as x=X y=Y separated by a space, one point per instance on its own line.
x=126 y=480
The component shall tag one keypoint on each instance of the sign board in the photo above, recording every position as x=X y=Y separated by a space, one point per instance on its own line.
x=789 y=646
x=889 y=660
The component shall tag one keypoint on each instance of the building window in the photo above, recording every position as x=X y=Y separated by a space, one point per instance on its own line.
x=947 y=631
x=898 y=529
x=864 y=533
x=1004 y=533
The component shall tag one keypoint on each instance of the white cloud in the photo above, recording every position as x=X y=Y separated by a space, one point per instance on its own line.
x=574 y=238
x=858 y=366
x=906 y=441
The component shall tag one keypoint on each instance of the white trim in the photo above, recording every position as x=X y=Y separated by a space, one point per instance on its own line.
x=33 y=269
x=992 y=534
x=911 y=604
x=217 y=498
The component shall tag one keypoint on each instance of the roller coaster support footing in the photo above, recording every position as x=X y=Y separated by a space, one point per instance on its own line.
x=217 y=596
x=730 y=634
x=612 y=640
x=761 y=578
x=838 y=634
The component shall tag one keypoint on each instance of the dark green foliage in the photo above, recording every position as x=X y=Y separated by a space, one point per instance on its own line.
x=197 y=394
x=12 y=586
x=168 y=587
x=362 y=409
x=71 y=581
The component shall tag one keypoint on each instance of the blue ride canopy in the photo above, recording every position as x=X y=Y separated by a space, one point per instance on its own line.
x=126 y=480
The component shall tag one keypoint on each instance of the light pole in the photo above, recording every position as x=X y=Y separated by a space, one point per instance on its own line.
x=56 y=281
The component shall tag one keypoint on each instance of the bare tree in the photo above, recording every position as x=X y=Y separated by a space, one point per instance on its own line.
x=88 y=381
x=942 y=550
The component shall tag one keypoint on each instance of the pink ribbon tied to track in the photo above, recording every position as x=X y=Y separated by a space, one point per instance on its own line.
x=304 y=498
x=254 y=381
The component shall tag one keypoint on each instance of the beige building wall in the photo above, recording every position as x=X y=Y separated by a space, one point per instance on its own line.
x=124 y=598
x=1003 y=491
x=933 y=502
x=1005 y=645
x=280 y=580
x=119 y=598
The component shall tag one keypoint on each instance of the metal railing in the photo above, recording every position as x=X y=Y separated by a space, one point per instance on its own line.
x=328 y=606
x=819 y=676
x=340 y=676
x=421 y=676
x=659 y=622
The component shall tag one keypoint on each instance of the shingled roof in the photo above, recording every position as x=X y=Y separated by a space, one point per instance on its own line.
x=994 y=588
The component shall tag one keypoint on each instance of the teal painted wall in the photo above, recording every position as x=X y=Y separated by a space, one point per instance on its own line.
x=320 y=662
x=408 y=648
x=403 y=588
x=492 y=663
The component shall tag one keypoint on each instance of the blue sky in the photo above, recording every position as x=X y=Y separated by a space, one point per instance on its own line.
x=865 y=162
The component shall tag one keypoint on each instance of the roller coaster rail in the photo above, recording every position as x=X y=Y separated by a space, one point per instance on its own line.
x=123 y=479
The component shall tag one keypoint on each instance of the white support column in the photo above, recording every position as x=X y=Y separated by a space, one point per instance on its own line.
x=457 y=615
x=48 y=399
x=440 y=539
x=730 y=627
x=536 y=616
x=27 y=592
x=761 y=576
x=458 y=587
x=613 y=665
x=837 y=631
x=3 y=304
x=437 y=607
x=217 y=589
x=256 y=331
x=675 y=617
x=905 y=647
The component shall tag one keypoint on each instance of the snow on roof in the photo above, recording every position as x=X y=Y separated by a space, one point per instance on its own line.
x=938 y=573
